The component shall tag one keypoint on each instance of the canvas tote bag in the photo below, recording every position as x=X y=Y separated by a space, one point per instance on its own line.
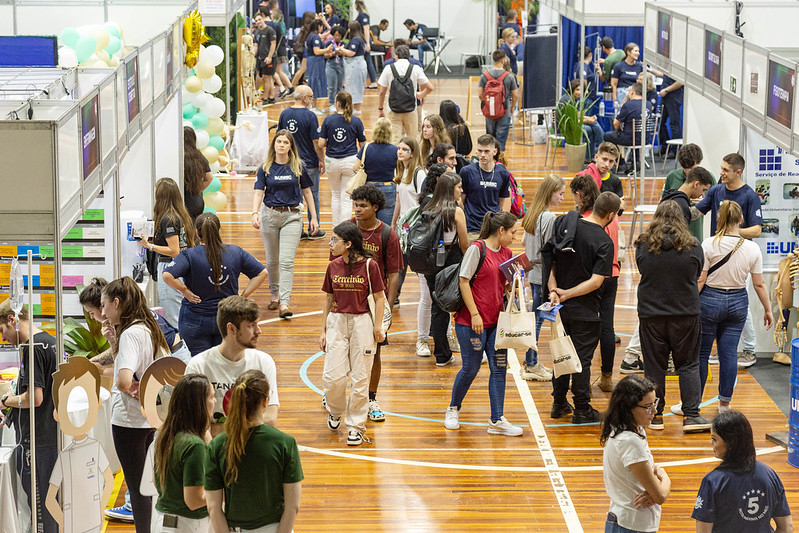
x=564 y=355
x=516 y=325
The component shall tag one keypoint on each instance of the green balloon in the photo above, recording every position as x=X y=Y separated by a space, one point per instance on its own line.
x=189 y=111
x=69 y=37
x=85 y=47
x=209 y=209
x=112 y=30
x=217 y=142
x=113 y=46
x=214 y=186
x=199 y=121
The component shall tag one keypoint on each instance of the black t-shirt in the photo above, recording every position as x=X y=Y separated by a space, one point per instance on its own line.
x=280 y=47
x=593 y=254
x=44 y=365
x=668 y=280
x=194 y=202
x=264 y=38
x=169 y=227
x=682 y=200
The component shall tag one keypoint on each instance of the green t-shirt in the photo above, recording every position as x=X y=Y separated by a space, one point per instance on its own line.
x=186 y=468
x=674 y=180
x=271 y=458
x=607 y=67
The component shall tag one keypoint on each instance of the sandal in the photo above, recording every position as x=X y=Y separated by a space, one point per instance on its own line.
x=274 y=304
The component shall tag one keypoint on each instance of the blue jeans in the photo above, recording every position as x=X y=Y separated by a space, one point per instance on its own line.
x=472 y=347
x=390 y=190
x=531 y=357
x=499 y=128
x=421 y=49
x=595 y=135
x=723 y=317
x=613 y=527
x=199 y=332
x=335 y=79
x=168 y=298
x=313 y=173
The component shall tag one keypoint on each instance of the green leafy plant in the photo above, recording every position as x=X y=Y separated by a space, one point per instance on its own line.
x=342 y=8
x=84 y=341
x=570 y=119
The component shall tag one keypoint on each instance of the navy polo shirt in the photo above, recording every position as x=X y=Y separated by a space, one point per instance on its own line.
x=312 y=40
x=483 y=191
x=357 y=45
x=281 y=186
x=342 y=136
x=304 y=126
x=381 y=161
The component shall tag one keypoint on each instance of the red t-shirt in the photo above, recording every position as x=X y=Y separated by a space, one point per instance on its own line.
x=373 y=242
x=487 y=289
x=592 y=171
x=349 y=286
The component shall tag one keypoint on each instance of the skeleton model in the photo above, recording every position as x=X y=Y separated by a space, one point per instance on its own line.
x=247 y=71
x=787 y=282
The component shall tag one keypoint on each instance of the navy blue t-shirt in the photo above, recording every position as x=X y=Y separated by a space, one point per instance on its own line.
x=678 y=94
x=281 y=186
x=342 y=136
x=412 y=61
x=363 y=20
x=313 y=40
x=166 y=328
x=631 y=110
x=381 y=161
x=626 y=74
x=741 y=502
x=514 y=66
x=514 y=27
x=744 y=196
x=334 y=20
x=357 y=45
x=589 y=75
x=483 y=191
x=192 y=265
x=304 y=126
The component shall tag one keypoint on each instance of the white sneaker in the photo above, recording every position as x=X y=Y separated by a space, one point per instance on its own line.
x=453 y=344
x=485 y=359
x=503 y=427
x=713 y=359
x=536 y=373
x=422 y=348
x=724 y=408
x=451 y=418
x=677 y=409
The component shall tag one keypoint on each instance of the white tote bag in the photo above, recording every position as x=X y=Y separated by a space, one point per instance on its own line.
x=516 y=325
x=564 y=355
x=386 y=322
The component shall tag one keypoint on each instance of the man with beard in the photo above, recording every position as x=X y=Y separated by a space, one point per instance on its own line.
x=237 y=319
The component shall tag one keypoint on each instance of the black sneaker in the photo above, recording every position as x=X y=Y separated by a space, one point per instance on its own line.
x=559 y=410
x=632 y=368
x=269 y=101
x=589 y=416
x=304 y=236
x=695 y=424
x=316 y=235
x=657 y=422
x=333 y=422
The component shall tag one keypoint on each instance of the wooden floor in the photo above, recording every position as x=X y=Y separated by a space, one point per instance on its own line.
x=417 y=476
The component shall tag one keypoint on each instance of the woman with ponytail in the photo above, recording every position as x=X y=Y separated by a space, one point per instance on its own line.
x=139 y=343
x=180 y=457
x=482 y=285
x=723 y=300
x=172 y=235
x=257 y=466
x=341 y=135
x=196 y=174
x=211 y=273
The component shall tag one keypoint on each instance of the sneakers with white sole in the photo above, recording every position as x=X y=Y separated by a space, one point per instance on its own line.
x=713 y=359
x=333 y=422
x=746 y=359
x=677 y=409
x=451 y=418
x=375 y=413
x=422 y=348
x=120 y=513
x=503 y=427
x=536 y=373
x=453 y=344
x=354 y=438
x=447 y=362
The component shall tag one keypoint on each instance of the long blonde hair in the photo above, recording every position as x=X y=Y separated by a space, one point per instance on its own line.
x=440 y=134
x=541 y=201
x=249 y=393
x=295 y=163
x=406 y=170
x=729 y=217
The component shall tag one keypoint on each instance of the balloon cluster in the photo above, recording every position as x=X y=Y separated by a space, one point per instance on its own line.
x=193 y=35
x=91 y=46
x=213 y=197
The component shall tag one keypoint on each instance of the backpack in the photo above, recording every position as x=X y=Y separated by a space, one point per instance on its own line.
x=402 y=93
x=517 y=206
x=447 y=292
x=408 y=219
x=494 y=98
x=423 y=241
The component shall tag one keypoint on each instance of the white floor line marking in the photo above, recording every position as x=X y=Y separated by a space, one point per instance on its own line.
x=515 y=448
x=550 y=461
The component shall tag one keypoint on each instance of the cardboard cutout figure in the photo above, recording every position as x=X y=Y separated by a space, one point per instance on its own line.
x=159 y=379
x=82 y=471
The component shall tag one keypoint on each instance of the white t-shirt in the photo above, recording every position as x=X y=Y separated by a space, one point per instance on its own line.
x=136 y=354
x=732 y=275
x=80 y=467
x=223 y=373
x=622 y=451
x=407 y=194
x=418 y=77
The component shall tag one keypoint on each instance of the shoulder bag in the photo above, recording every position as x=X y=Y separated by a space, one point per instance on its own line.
x=360 y=177
x=371 y=299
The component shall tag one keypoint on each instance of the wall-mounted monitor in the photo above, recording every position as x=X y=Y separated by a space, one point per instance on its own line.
x=132 y=80
x=663 y=40
x=713 y=56
x=779 y=100
x=90 y=134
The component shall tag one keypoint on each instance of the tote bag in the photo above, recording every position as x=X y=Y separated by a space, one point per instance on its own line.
x=516 y=325
x=564 y=355
x=360 y=177
x=386 y=322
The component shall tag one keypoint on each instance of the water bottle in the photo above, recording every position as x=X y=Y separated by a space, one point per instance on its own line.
x=441 y=254
x=601 y=108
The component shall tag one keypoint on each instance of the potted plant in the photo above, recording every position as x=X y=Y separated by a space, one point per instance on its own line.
x=84 y=341
x=570 y=116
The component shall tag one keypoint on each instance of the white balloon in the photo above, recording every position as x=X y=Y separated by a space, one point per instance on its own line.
x=212 y=84
x=203 y=98
x=202 y=138
x=185 y=95
x=197 y=99
x=67 y=57
x=214 y=54
x=214 y=167
x=214 y=109
x=187 y=123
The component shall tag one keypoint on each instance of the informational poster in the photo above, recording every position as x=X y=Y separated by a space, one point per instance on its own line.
x=713 y=57
x=779 y=105
x=664 y=34
x=170 y=56
x=91 y=142
x=774 y=175
x=132 y=76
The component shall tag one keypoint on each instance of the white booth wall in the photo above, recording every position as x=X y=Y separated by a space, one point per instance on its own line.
x=169 y=142
x=717 y=141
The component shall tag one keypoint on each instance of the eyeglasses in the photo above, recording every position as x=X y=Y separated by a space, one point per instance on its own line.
x=335 y=240
x=651 y=408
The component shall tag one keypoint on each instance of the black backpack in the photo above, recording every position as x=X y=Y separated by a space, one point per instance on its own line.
x=422 y=244
x=402 y=94
x=447 y=292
